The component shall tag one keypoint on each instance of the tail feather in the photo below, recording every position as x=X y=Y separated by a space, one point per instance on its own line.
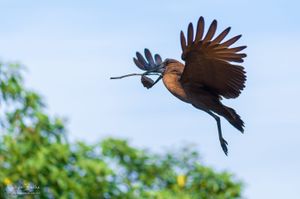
x=234 y=119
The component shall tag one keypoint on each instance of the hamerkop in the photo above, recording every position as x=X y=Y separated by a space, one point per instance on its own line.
x=207 y=75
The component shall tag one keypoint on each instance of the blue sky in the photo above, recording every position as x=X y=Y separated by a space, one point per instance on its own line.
x=71 y=48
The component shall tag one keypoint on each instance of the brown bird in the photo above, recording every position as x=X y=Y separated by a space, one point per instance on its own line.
x=207 y=75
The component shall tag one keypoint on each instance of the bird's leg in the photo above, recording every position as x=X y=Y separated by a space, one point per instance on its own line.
x=222 y=140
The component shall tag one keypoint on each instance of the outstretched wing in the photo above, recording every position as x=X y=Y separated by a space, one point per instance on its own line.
x=208 y=61
x=149 y=63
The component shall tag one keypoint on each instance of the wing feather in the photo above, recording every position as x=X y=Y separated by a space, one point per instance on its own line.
x=208 y=61
x=182 y=41
x=190 y=34
x=211 y=31
x=200 y=29
x=231 y=41
x=221 y=36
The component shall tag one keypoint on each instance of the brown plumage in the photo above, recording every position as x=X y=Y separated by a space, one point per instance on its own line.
x=207 y=75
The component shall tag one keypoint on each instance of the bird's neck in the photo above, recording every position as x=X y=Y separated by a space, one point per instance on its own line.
x=171 y=79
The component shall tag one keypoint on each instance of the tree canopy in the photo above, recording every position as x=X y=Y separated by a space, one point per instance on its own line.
x=38 y=161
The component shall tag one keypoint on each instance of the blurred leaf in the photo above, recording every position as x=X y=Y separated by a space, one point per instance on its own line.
x=34 y=151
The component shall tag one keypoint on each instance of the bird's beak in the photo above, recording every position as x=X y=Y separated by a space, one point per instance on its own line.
x=148 y=82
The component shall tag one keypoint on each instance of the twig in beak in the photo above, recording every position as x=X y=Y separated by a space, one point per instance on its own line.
x=135 y=74
x=132 y=74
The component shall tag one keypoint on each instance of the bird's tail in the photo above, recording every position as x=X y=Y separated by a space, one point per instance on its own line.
x=234 y=119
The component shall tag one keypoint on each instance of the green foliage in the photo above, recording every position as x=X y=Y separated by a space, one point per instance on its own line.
x=37 y=161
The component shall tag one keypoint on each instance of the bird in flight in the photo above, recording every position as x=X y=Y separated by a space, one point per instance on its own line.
x=207 y=76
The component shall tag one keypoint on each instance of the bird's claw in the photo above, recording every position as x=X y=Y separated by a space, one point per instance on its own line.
x=224 y=144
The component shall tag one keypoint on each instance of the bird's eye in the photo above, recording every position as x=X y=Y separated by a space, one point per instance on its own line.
x=174 y=71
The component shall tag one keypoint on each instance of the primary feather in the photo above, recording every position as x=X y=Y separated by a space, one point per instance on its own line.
x=207 y=62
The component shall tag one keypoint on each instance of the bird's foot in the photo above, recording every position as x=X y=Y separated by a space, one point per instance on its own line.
x=224 y=144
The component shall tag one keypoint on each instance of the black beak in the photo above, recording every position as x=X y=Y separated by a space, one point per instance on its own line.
x=148 y=82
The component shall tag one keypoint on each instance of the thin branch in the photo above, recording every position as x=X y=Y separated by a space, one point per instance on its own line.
x=135 y=74
x=132 y=74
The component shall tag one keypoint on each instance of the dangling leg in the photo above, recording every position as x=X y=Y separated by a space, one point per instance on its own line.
x=222 y=140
